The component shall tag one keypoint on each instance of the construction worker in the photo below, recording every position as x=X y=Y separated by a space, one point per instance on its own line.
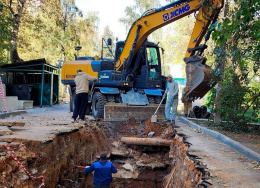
x=172 y=92
x=103 y=171
x=81 y=99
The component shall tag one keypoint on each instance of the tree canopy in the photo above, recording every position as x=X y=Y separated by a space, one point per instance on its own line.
x=237 y=62
x=49 y=29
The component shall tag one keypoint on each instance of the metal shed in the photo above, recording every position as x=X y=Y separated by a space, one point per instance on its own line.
x=32 y=80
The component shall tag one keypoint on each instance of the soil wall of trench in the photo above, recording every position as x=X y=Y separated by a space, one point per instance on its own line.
x=56 y=162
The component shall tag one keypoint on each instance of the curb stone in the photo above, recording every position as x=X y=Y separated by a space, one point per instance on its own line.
x=225 y=140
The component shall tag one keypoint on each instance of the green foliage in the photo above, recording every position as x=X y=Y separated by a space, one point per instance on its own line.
x=5 y=32
x=211 y=95
x=134 y=12
x=237 y=62
x=50 y=29
x=107 y=34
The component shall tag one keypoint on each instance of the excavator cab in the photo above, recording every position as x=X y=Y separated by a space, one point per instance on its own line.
x=148 y=74
x=145 y=67
x=154 y=70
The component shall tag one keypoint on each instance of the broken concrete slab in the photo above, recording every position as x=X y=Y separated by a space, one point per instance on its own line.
x=125 y=174
x=9 y=114
x=115 y=144
x=5 y=131
x=11 y=124
x=128 y=167
x=153 y=165
x=12 y=144
x=118 y=153
x=150 y=134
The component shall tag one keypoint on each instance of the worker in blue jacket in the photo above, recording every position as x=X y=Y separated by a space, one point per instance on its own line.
x=103 y=171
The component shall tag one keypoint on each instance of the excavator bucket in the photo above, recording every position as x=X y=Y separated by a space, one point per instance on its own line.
x=199 y=78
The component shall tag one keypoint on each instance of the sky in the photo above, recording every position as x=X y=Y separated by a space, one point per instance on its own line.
x=109 y=13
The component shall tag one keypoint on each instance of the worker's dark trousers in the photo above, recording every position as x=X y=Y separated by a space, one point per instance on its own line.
x=80 y=106
x=101 y=186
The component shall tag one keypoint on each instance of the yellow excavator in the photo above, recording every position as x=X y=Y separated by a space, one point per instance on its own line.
x=133 y=77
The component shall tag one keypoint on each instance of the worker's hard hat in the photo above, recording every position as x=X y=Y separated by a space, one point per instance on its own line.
x=169 y=75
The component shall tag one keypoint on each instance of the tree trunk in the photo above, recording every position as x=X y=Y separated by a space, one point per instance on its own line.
x=217 y=116
x=15 y=30
x=218 y=98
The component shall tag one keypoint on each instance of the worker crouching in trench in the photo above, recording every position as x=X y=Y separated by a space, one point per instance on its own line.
x=103 y=171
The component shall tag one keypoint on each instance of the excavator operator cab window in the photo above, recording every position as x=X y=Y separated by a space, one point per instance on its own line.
x=153 y=63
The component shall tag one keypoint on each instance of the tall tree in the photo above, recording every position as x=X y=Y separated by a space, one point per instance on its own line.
x=5 y=32
x=52 y=30
x=70 y=12
x=239 y=33
x=16 y=9
x=221 y=59
x=108 y=34
x=135 y=11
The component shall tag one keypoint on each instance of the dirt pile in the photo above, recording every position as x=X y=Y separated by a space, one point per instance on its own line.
x=137 y=129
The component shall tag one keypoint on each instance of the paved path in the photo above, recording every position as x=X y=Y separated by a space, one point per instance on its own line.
x=227 y=167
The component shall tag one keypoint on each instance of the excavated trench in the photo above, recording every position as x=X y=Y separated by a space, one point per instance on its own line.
x=138 y=165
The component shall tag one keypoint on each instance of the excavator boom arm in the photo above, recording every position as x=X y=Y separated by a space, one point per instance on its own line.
x=157 y=18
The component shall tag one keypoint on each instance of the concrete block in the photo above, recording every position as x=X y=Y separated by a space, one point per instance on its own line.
x=123 y=112
x=25 y=104
x=11 y=103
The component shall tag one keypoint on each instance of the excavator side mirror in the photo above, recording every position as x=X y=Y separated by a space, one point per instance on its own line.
x=162 y=50
x=78 y=48
x=109 y=41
